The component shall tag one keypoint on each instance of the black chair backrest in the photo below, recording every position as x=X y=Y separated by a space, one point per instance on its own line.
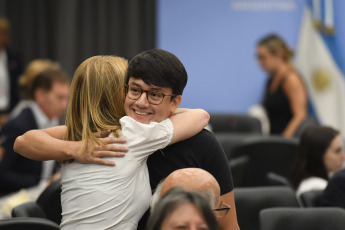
x=250 y=201
x=20 y=223
x=239 y=167
x=308 y=121
x=230 y=141
x=311 y=198
x=50 y=201
x=267 y=154
x=302 y=219
x=277 y=180
x=235 y=123
x=29 y=209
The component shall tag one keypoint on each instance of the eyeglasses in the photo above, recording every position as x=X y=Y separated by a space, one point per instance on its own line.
x=154 y=97
x=223 y=210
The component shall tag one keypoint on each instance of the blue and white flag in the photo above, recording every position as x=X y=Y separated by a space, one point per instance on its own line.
x=318 y=62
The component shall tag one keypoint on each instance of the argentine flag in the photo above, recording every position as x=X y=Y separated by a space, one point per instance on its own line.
x=319 y=62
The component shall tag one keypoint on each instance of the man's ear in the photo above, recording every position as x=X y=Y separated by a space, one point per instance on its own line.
x=38 y=95
x=175 y=104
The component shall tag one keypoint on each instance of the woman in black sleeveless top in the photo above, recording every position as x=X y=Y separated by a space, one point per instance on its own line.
x=285 y=98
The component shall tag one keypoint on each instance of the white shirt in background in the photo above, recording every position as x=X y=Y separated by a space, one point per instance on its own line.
x=311 y=183
x=4 y=82
x=43 y=122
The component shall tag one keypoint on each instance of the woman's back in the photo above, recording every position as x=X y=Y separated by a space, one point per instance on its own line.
x=100 y=197
x=277 y=106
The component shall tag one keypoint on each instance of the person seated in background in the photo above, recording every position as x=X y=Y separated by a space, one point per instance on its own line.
x=194 y=179
x=10 y=69
x=285 y=97
x=25 y=81
x=182 y=209
x=320 y=155
x=334 y=194
x=49 y=92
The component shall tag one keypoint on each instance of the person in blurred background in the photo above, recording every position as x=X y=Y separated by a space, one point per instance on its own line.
x=32 y=70
x=49 y=92
x=334 y=194
x=320 y=155
x=181 y=209
x=285 y=98
x=10 y=69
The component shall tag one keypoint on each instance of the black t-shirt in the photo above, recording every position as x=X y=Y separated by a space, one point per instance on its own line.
x=201 y=151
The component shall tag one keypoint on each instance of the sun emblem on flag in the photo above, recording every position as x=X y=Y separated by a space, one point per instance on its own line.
x=321 y=79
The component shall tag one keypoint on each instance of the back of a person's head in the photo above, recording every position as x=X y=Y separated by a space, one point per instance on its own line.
x=313 y=144
x=160 y=68
x=193 y=179
x=96 y=98
x=173 y=200
x=276 y=45
x=33 y=69
x=45 y=80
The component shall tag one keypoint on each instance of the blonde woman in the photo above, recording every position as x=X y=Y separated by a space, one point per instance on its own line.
x=101 y=197
x=285 y=99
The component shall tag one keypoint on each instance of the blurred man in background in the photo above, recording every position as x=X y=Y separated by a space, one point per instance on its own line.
x=49 y=94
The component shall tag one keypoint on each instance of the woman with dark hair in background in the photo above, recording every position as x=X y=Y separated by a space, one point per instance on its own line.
x=181 y=209
x=285 y=99
x=320 y=155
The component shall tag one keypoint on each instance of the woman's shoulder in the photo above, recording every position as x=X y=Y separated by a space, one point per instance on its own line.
x=292 y=82
x=292 y=77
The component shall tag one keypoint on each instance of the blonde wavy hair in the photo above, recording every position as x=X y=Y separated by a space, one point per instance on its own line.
x=96 y=99
x=33 y=69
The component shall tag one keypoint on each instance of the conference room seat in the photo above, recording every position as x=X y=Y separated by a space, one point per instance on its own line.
x=28 y=209
x=239 y=168
x=50 y=201
x=311 y=198
x=21 y=223
x=230 y=141
x=250 y=201
x=47 y=205
x=302 y=219
x=267 y=154
x=234 y=123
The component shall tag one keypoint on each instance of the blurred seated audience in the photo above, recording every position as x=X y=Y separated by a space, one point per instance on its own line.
x=49 y=92
x=334 y=194
x=320 y=155
x=182 y=209
x=25 y=81
x=10 y=69
x=285 y=97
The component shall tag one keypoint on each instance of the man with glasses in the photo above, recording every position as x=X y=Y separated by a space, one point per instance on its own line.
x=154 y=86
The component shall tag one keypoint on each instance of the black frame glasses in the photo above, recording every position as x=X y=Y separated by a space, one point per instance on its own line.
x=149 y=95
x=223 y=207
